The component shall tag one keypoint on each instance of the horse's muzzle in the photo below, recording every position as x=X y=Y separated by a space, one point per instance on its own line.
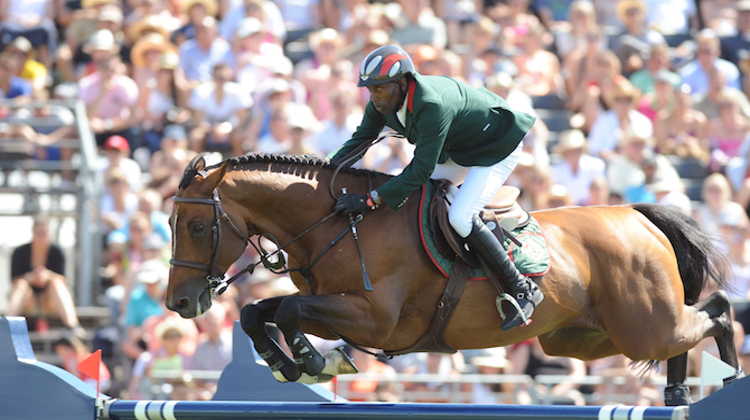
x=190 y=307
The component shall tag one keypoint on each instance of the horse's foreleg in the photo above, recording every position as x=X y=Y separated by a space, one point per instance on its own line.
x=288 y=318
x=718 y=306
x=253 y=319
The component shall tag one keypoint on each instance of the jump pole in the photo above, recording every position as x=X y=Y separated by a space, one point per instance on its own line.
x=210 y=410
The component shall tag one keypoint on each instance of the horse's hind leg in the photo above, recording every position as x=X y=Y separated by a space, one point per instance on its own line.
x=718 y=306
x=253 y=319
x=717 y=324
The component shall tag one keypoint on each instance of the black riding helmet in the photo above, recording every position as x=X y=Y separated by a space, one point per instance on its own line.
x=385 y=64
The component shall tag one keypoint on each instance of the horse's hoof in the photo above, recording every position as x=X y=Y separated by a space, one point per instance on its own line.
x=677 y=395
x=338 y=362
x=306 y=357
x=730 y=380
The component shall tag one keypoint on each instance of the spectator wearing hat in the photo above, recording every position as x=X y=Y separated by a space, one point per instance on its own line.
x=696 y=72
x=30 y=69
x=570 y=34
x=625 y=169
x=169 y=162
x=75 y=59
x=146 y=56
x=219 y=107
x=634 y=44
x=117 y=152
x=491 y=361
x=622 y=117
x=656 y=64
x=11 y=85
x=668 y=194
x=82 y=22
x=195 y=11
x=682 y=131
x=578 y=169
x=144 y=301
x=265 y=11
x=111 y=99
x=200 y=55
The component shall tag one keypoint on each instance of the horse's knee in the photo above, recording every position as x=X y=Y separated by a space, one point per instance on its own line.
x=287 y=316
x=251 y=320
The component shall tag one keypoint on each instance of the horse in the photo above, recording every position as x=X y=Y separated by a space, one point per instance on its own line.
x=622 y=279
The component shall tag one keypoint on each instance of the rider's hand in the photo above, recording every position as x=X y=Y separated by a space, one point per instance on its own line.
x=353 y=204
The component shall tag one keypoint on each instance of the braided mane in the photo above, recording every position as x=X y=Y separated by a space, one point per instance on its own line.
x=299 y=160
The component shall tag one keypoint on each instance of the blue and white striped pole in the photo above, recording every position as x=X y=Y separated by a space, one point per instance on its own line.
x=210 y=410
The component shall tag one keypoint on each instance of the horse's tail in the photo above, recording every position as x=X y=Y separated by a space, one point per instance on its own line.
x=698 y=259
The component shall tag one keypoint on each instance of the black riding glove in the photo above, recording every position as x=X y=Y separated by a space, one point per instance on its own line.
x=352 y=204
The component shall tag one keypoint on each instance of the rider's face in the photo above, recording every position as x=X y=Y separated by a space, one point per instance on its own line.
x=387 y=97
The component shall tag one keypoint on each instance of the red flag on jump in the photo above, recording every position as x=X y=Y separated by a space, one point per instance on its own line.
x=90 y=366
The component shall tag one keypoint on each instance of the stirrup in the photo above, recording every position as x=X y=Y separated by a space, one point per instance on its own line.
x=510 y=299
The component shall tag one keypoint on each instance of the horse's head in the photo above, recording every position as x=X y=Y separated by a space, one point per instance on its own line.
x=205 y=240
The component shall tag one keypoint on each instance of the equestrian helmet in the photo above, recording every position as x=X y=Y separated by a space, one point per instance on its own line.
x=385 y=64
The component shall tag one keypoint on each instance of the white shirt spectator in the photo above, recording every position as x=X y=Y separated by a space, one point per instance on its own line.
x=589 y=168
x=604 y=132
x=235 y=99
x=274 y=23
x=130 y=168
x=331 y=136
x=696 y=77
x=670 y=16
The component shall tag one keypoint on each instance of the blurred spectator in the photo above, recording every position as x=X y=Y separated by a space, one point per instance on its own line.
x=598 y=192
x=117 y=150
x=71 y=352
x=143 y=384
x=301 y=125
x=669 y=194
x=118 y=203
x=572 y=36
x=77 y=21
x=670 y=17
x=12 y=86
x=144 y=300
x=389 y=156
x=491 y=361
x=656 y=64
x=38 y=283
x=265 y=11
x=254 y=56
x=529 y=358
x=734 y=229
x=337 y=129
x=146 y=56
x=150 y=202
x=300 y=17
x=200 y=56
x=485 y=34
x=33 y=21
x=214 y=349
x=276 y=94
x=461 y=18
x=105 y=40
x=415 y=23
x=717 y=199
x=219 y=107
x=163 y=101
x=434 y=363
x=577 y=170
x=719 y=16
x=683 y=131
x=596 y=93
x=110 y=100
x=660 y=100
x=169 y=162
x=538 y=69
x=619 y=365
x=557 y=196
x=634 y=44
x=606 y=14
x=534 y=183
x=196 y=11
x=727 y=132
x=30 y=69
x=515 y=23
x=696 y=72
x=736 y=47
x=554 y=14
x=625 y=169
x=620 y=119
x=278 y=139
x=708 y=102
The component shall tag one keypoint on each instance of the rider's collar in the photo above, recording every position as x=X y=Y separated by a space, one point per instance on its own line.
x=401 y=113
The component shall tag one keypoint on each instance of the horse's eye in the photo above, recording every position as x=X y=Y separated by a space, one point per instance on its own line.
x=198 y=228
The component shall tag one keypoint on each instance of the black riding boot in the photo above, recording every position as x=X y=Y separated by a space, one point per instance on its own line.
x=484 y=243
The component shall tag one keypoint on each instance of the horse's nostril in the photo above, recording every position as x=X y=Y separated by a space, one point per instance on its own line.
x=182 y=303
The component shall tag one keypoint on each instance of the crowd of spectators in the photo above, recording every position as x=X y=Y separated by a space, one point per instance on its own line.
x=643 y=86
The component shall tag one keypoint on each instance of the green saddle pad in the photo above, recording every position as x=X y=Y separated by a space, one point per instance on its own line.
x=531 y=258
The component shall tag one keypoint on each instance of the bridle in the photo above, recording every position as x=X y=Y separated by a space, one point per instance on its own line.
x=215 y=277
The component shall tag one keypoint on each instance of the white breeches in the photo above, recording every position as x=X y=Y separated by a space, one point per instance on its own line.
x=479 y=184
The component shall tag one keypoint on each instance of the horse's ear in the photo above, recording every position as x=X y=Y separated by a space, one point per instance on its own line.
x=198 y=162
x=212 y=181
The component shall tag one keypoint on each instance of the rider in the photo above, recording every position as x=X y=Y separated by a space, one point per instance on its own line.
x=462 y=134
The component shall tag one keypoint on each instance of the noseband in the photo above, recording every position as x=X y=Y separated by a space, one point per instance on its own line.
x=215 y=278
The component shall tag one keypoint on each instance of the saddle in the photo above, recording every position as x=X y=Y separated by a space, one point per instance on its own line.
x=501 y=215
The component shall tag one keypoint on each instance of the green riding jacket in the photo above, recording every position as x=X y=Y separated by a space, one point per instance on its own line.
x=445 y=118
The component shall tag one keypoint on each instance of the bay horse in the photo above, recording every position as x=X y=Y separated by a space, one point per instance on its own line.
x=623 y=279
